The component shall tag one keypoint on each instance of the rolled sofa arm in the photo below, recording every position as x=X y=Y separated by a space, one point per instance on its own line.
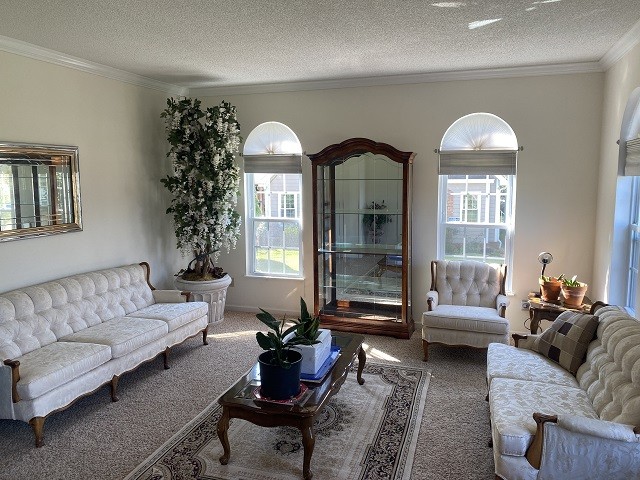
x=569 y=446
x=502 y=302
x=432 y=299
x=169 y=296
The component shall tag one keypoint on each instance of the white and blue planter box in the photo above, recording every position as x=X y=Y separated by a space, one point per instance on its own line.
x=314 y=356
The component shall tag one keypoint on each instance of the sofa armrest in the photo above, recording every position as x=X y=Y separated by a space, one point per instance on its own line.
x=15 y=377
x=170 y=296
x=432 y=299
x=502 y=302
x=568 y=446
x=524 y=341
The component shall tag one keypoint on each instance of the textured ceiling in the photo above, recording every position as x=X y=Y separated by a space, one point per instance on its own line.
x=202 y=43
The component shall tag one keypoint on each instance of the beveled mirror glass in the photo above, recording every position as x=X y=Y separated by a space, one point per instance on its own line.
x=39 y=190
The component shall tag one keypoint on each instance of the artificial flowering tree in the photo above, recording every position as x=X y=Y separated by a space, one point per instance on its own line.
x=204 y=183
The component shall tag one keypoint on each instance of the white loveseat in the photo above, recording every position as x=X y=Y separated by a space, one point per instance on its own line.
x=548 y=424
x=66 y=338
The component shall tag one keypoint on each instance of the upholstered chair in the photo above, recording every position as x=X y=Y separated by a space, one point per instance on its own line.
x=467 y=304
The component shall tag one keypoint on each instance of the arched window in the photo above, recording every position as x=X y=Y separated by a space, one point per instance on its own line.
x=273 y=201
x=477 y=171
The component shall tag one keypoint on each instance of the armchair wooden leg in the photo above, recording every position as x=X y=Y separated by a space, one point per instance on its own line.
x=114 y=388
x=165 y=354
x=205 y=334
x=37 y=424
x=425 y=350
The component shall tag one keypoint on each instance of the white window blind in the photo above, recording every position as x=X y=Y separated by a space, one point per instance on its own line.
x=632 y=157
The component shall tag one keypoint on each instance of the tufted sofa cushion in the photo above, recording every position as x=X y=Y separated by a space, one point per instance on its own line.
x=35 y=316
x=611 y=372
x=467 y=283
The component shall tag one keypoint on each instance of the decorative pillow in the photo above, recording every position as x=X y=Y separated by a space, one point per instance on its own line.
x=566 y=341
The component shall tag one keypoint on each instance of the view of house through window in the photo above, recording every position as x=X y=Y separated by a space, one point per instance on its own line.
x=273 y=175
x=477 y=209
x=275 y=223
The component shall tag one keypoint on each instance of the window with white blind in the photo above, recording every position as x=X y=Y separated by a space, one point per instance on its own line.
x=477 y=168
x=273 y=187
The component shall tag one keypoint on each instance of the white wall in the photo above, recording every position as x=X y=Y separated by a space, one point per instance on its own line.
x=122 y=157
x=556 y=118
x=620 y=81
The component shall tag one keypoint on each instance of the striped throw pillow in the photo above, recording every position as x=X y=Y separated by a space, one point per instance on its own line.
x=566 y=341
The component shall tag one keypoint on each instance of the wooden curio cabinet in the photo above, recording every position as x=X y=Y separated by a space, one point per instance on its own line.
x=362 y=237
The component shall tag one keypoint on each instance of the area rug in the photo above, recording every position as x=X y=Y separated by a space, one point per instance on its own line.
x=365 y=432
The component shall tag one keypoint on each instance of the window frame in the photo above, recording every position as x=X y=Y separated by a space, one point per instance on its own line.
x=252 y=220
x=444 y=220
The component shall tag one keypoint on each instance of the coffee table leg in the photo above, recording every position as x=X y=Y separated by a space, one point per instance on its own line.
x=308 y=441
x=223 y=426
x=362 y=359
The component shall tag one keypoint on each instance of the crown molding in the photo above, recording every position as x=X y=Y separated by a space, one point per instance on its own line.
x=621 y=47
x=527 y=71
x=18 y=47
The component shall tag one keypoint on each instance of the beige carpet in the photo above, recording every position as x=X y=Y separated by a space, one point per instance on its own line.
x=98 y=439
x=365 y=432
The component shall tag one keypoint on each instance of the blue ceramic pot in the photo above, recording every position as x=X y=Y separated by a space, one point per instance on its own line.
x=278 y=383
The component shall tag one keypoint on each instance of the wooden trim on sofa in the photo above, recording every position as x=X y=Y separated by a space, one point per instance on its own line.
x=147 y=269
x=15 y=377
x=433 y=275
x=534 y=452
x=517 y=337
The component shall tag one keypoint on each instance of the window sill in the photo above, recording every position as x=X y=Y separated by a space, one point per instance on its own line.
x=272 y=277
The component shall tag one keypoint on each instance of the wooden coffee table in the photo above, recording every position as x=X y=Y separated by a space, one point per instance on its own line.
x=240 y=402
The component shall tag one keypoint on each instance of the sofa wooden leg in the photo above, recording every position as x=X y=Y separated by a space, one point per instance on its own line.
x=114 y=388
x=37 y=424
x=205 y=335
x=425 y=350
x=165 y=354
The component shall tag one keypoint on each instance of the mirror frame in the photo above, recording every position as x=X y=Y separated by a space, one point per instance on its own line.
x=38 y=151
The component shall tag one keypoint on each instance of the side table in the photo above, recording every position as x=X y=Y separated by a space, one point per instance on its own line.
x=540 y=310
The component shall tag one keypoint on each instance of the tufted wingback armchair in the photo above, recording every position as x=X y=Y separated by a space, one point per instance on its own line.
x=466 y=305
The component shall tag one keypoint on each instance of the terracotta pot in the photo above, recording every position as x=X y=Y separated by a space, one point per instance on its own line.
x=550 y=290
x=572 y=296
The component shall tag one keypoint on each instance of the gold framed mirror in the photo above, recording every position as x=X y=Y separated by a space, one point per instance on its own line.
x=39 y=190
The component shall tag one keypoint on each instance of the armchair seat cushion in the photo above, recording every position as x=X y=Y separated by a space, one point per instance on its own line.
x=122 y=334
x=475 y=319
x=512 y=401
x=174 y=314
x=53 y=365
x=504 y=361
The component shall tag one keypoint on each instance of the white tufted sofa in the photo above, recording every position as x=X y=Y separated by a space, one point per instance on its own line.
x=548 y=424
x=66 y=338
x=466 y=305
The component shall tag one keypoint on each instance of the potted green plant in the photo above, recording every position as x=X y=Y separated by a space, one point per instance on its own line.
x=205 y=186
x=550 y=287
x=573 y=292
x=375 y=221
x=279 y=365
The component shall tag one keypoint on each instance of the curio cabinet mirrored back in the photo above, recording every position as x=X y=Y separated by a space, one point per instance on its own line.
x=362 y=237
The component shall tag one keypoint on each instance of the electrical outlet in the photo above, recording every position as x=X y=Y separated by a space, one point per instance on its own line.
x=524 y=304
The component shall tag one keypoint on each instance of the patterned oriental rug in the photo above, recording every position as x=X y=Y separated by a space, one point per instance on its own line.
x=365 y=432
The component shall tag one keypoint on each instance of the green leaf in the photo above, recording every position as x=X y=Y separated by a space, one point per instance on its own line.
x=264 y=341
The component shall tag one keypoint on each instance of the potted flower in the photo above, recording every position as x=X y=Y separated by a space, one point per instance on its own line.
x=279 y=364
x=205 y=186
x=550 y=287
x=573 y=292
x=375 y=221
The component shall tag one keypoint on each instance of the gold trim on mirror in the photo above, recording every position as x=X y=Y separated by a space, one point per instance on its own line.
x=39 y=190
